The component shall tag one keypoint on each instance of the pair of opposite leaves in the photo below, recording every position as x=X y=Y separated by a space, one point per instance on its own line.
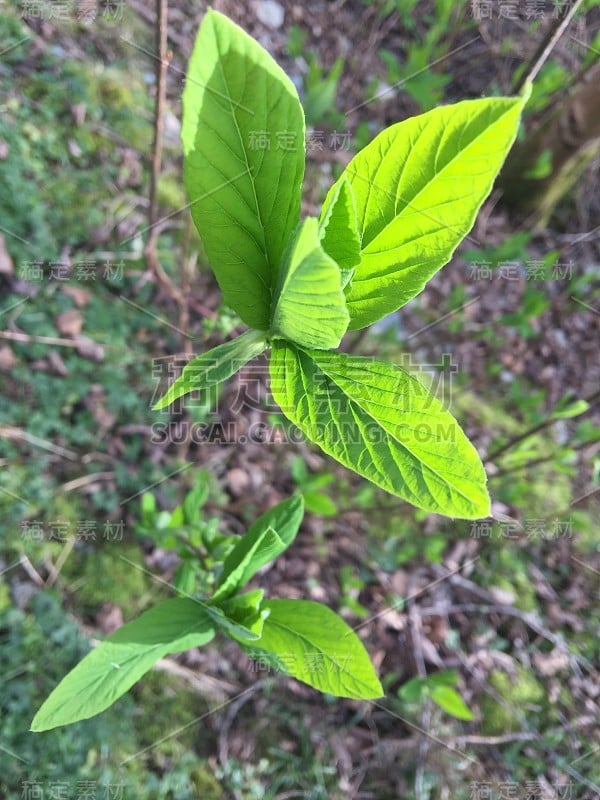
x=388 y=224
x=300 y=637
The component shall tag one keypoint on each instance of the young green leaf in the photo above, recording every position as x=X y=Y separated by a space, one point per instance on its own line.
x=195 y=499
x=413 y=690
x=446 y=677
x=267 y=538
x=449 y=700
x=184 y=581
x=214 y=367
x=339 y=230
x=243 y=141
x=319 y=503
x=148 y=508
x=243 y=607
x=111 y=668
x=418 y=187
x=381 y=422
x=242 y=630
x=570 y=410
x=309 y=306
x=240 y=616
x=314 y=645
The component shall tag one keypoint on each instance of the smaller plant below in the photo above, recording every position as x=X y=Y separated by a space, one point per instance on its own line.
x=441 y=688
x=301 y=638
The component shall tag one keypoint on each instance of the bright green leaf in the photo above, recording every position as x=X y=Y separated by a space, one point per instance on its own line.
x=318 y=503
x=195 y=499
x=148 y=508
x=214 y=367
x=319 y=481
x=185 y=578
x=412 y=691
x=314 y=645
x=309 y=306
x=449 y=700
x=111 y=668
x=380 y=421
x=299 y=470
x=339 y=230
x=570 y=410
x=248 y=630
x=243 y=141
x=446 y=677
x=242 y=606
x=267 y=538
x=244 y=610
x=418 y=187
x=176 y=518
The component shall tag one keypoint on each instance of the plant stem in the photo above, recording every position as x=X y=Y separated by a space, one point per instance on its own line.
x=536 y=461
x=546 y=46
x=161 y=90
x=530 y=431
x=162 y=65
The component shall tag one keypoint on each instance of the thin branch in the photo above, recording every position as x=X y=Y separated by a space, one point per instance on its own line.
x=214 y=689
x=546 y=46
x=541 y=460
x=31 y=571
x=10 y=432
x=85 y=480
x=492 y=741
x=162 y=65
x=55 y=569
x=25 y=338
x=546 y=423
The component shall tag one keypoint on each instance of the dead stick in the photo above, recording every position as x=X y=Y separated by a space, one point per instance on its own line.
x=162 y=65
x=9 y=432
x=547 y=45
x=161 y=90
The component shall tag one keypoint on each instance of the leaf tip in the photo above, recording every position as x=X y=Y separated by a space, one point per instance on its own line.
x=38 y=726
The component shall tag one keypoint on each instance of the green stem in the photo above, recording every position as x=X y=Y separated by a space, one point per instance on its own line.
x=531 y=431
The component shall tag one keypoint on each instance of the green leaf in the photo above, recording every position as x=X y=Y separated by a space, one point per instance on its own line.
x=111 y=668
x=446 y=677
x=412 y=691
x=243 y=140
x=185 y=578
x=244 y=617
x=195 y=499
x=338 y=225
x=299 y=470
x=318 y=503
x=378 y=420
x=542 y=166
x=247 y=631
x=309 y=305
x=267 y=538
x=314 y=645
x=148 y=508
x=215 y=366
x=418 y=187
x=242 y=606
x=570 y=410
x=449 y=700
